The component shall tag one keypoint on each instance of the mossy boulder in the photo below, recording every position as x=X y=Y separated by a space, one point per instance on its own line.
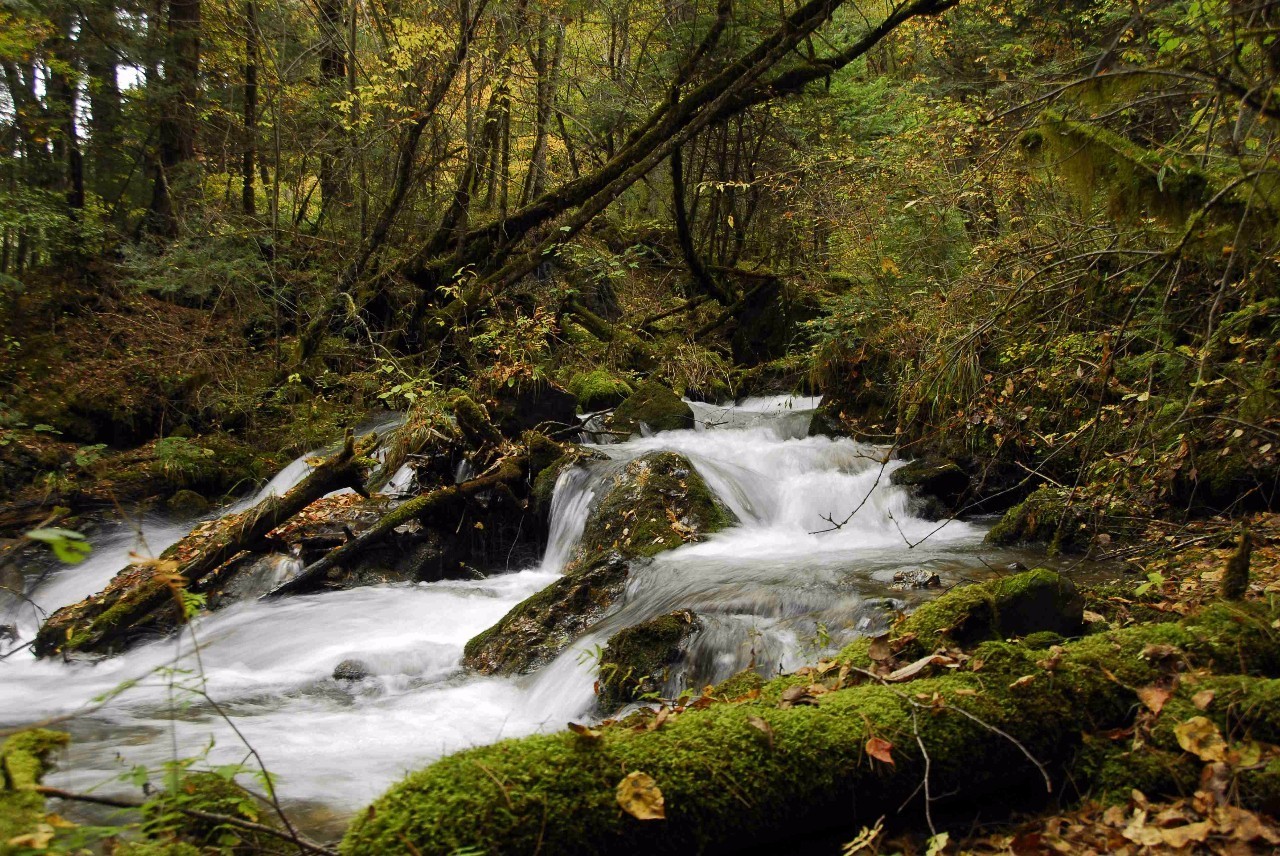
x=753 y=771
x=1046 y=516
x=598 y=390
x=23 y=761
x=941 y=485
x=187 y=503
x=544 y=482
x=652 y=405
x=656 y=502
x=637 y=659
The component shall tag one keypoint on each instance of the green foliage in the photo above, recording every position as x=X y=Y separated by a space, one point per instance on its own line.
x=69 y=546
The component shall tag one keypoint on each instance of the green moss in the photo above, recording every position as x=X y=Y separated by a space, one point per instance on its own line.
x=654 y=405
x=156 y=848
x=23 y=762
x=741 y=684
x=1042 y=639
x=636 y=659
x=598 y=390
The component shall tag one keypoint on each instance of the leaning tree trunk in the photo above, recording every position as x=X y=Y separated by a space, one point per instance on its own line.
x=146 y=597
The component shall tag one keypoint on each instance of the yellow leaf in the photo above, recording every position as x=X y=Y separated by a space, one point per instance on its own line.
x=640 y=797
x=1201 y=738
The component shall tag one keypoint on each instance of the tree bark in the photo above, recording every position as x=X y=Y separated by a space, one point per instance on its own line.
x=248 y=198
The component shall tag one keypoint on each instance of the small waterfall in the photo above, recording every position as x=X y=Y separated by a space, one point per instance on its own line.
x=772 y=592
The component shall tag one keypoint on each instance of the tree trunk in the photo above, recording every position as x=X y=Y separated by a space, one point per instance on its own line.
x=247 y=165
x=174 y=178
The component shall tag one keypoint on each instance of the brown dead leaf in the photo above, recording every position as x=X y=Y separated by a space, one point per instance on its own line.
x=585 y=732
x=793 y=696
x=763 y=727
x=1203 y=699
x=1201 y=738
x=1244 y=825
x=1154 y=698
x=661 y=719
x=908 y=672
x=640 y=797
x=879 y=649
x=1091 y=617
x=1022 y=682
x=1178 y=837
x=1156 y=653
x=880 y=749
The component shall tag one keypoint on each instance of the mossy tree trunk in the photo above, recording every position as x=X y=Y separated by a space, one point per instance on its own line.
x=795 y=758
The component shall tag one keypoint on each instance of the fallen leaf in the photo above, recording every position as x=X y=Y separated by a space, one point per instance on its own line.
x=1154 y=698
x=793 y=696
x=38 y=840
x=879 y=649
x=1022 y=681
x=1243 y=825
x=864 y=840
x=880 y=749
x=1203 y=699
x=1180 y=836
x=1201 y=738
x=1091 y=617
x=585 y=732
x=660 y=719
x=908 y=672
x=640 y=797
x=937 y=844
x=764 y=727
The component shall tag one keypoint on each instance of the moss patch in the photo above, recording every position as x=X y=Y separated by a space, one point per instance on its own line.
x=636 y=659
x=598 y=390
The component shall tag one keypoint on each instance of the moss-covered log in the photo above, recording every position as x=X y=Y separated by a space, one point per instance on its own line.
x=142 y=599
x=656 y=503
x=759 y=769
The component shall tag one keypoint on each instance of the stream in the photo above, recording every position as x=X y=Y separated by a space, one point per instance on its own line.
x=774 y=592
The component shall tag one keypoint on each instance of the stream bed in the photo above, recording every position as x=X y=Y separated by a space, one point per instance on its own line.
x=778 y=590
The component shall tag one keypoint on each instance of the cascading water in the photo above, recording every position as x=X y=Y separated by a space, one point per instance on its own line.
x=773 y=591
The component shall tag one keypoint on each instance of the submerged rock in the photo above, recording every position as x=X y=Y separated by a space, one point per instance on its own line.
x=916 y=579
x=654 y=405
x=351 y=670
x=637 y=659
x=655 y=503
x=187 y=503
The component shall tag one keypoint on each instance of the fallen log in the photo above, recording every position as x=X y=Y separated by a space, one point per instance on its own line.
x=145 y=598
x=426 y=508
x=831 y=747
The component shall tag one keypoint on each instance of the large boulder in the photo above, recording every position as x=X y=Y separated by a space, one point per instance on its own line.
x=598 y=390
x=655 y=503
x=655 y=406
x=1048 y=517
x=532 y=403
x=941 y=485
x=637 y=660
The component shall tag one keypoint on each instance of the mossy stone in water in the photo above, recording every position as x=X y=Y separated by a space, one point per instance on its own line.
x=655 y=503
x=654 y=405
x=1043 y=517
x=636 y=659
x=187 y=503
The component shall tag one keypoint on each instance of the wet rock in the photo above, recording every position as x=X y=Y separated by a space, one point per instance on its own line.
x=915 y=579
x=655 y=503
x=654 y=405
x=942 y=485
x=351 y=670
x=637 y=659
x=532 y=403
x=187 y=503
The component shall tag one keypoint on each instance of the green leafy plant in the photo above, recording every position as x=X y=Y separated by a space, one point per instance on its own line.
x=69 y=546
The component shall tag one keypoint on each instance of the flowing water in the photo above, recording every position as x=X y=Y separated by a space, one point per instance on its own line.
x=777 y=590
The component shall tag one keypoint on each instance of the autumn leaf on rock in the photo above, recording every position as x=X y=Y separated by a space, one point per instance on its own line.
x=640 y=797
x=584 y=731
x=764 y=727
x=1203 y=699
x=1201 y=738
x=880 y=749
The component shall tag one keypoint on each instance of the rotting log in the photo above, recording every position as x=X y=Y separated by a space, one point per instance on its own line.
x=143 y=599
x=428 y=508
x=797 y=756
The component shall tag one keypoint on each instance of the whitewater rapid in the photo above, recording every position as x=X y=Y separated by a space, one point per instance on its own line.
x=773 y=592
